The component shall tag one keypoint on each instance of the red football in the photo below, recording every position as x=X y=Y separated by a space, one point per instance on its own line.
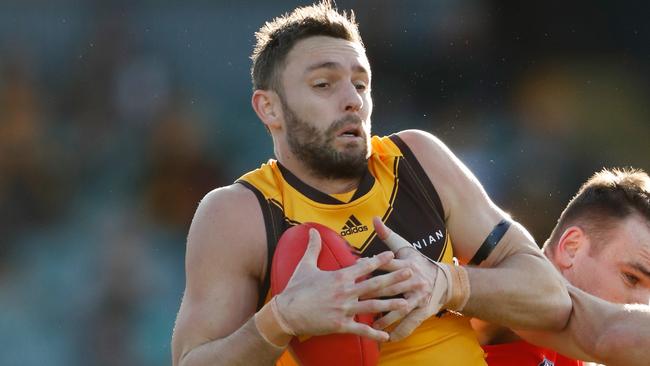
x=336 y=253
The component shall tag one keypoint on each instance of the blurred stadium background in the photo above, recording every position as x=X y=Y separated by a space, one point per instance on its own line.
x=116 y=117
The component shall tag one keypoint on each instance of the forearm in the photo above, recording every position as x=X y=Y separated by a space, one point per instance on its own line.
x=245 y=346
x=523 y=292
x=625 y=339
x=611 y=334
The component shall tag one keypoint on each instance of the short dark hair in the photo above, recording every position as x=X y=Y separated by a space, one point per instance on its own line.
x=603 y=201
x=276 y=38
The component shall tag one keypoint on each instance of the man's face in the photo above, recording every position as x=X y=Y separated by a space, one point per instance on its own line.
x=620 y=271
x=327 y=105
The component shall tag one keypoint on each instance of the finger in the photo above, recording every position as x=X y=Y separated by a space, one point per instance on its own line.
x=382 y=230
x=378 y=306
x=392 y=290
x=366 y=266
x=313 y=248
x=392 y=240
x=390 y=318
x=395 y=315
x=365 y=331
x=377 y=283
x=394 y=265
x=408 y=324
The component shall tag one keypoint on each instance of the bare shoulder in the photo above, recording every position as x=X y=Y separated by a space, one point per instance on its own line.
x=228 y=222
x=447 y=173
x=422 y=142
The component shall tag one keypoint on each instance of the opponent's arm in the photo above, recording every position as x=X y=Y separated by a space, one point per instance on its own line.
x=522 y=289
x=600 y=331
x=225 y=263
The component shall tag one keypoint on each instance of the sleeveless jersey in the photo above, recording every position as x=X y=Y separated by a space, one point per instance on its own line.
x=395 y=188
x=522 y=353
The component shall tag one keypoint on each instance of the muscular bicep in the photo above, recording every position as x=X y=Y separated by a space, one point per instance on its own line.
x=224 y=262
x=470 y=214
x=490 y=229
x=215 y=313
x=472 y=205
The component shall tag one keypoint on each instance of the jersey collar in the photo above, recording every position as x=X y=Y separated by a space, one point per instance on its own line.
x=367 y=181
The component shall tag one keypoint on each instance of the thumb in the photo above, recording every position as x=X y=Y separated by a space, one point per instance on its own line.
x=313 y=248
x=388 y=236
x=382 y=230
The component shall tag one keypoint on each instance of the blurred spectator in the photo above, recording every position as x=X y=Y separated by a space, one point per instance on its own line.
x=180 y=171
x=32 y=191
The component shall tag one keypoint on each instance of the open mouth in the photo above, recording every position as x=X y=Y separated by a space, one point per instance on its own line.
x=350 y=131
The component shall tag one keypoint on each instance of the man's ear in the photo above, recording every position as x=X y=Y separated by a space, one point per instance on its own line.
x=571 y=242
x=267 y=105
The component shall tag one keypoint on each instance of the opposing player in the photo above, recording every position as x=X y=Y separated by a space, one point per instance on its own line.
x=312 y=90
x=601 y=245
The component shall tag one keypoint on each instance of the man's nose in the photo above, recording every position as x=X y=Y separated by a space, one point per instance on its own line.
x=351 y=99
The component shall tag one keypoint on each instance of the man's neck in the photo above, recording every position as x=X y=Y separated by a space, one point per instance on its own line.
x=325 y=185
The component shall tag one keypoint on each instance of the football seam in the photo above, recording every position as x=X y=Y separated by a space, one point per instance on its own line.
x=334 y=254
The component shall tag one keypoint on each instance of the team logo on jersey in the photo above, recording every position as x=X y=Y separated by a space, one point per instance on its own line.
x=353 y=226
x=546 y=362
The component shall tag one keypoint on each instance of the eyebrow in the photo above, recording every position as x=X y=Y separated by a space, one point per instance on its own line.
x=331 y=65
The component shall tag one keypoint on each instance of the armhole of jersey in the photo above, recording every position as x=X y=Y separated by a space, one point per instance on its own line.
x=419 y=176
x=272 y=230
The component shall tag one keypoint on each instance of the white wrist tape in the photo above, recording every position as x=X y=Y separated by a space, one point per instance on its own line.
x=458 y=289
x=271 y=324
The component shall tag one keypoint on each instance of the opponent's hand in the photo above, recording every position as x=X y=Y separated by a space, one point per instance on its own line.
x=425 y=292
x=318 y=302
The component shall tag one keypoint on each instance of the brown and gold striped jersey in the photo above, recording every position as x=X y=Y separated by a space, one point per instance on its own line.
x=395 y=188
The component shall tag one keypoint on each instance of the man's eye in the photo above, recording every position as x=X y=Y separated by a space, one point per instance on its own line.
x=321 y=85
x=631 y=279
x=360 y=86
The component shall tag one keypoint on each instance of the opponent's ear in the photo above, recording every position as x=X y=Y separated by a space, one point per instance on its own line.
x=572 y=240
x=267 y=105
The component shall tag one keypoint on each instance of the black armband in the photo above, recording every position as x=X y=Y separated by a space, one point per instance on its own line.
x=493 y=238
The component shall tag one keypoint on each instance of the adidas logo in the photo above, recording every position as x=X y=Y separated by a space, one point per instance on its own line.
x=353 y=226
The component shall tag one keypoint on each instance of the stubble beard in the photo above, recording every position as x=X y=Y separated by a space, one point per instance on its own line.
x=316 y=149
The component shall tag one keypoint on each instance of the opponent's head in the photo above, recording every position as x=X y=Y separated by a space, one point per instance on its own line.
x=311 y=81
x=601 y=242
